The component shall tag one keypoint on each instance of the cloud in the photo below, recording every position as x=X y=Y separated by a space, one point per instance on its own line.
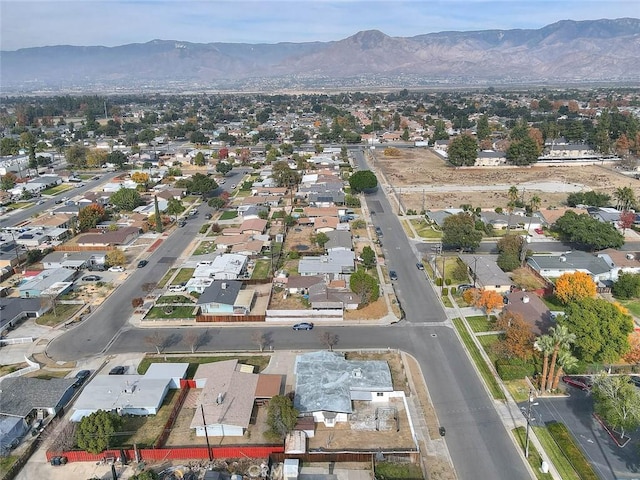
x=25 y=23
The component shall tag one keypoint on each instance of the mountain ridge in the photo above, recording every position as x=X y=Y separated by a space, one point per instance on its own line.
x=604 y=50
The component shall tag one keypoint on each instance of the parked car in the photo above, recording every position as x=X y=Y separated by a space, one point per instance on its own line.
x=177 y=288
x=419 y=266
x=393 y=275
x=378 y=231
x=97 y=268
x=442 y=431
x=635 y=380
x=539 y=231
x=119 y=370
x=208 y=216
x=303 y=326
x=116 y=268
x=182 y=223
x=583 y=383
x=464 y=287
x=142 y=263
x=81 y=377
x=91 y=278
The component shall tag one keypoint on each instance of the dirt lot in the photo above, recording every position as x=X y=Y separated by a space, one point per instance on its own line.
x=416 y=169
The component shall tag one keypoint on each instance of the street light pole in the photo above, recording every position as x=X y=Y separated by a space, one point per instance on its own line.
x=526 y=441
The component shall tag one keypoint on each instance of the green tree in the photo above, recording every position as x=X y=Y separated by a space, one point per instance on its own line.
x=145 y=475
x=544 y=344
x=8 y=181
x=462 y=151
x=217 y=202
x=459 y=232
x=76 y=156
x=94 y=431
x=368 y=257
x=115 y=257
x=365 y=286
x=281 y=417
x=602 y=329
x=126 y=199
x=482 y=128
x=352 y=201
x=590 y=198
x=363 y=180
x=625 y=198
x=283 y=175
x=9 y=146
x=321 y=239
x=174 y=207
x=509 y=252
x=201 y=184
x=90 y=216
x=627 y=286
x=223 y=167
x=199 y=159
x=588 y=232
x=617 y=402
x=157 y=215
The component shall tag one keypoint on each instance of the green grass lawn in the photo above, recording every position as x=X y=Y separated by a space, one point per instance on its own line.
x=183 y=276
x=177 y=312
x=487 y=342
x=535 y=460
x=478 y=359
x=166 y=277
x=398 y=471
x=58 y=189
x=228 y=215
x=258 y=361
x=262 y=269
x=425 y=230
x=480 y=323
x=64 y=311
x=447 y=301
x=632 y=305
x=6 y=462
x=205 y=248
x=18 y=205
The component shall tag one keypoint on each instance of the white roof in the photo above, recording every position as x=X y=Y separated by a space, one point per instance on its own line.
x=167 y=370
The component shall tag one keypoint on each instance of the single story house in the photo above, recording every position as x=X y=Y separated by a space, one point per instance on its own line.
x=73 y=260
x=339 y=240
x=30 y=398
x=14 y=310
x=226 y=297
x=488 y=275
x=553 y=266
x=327 y=383
x=335 y=264
x=532 y=310
x=229 y=392
x=301 y=284
x=58 y=279
x=122 y=236
x=623 y=262
x=322 y=297
x=228 y=266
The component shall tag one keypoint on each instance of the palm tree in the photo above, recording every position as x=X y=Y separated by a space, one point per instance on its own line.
x=534 y=205
x=544 y=344
x=625 y=197
x=566 y=362
x=562 y=339
x=513 y=198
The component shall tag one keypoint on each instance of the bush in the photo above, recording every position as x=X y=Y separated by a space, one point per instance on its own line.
x=294 y=255
x=447 y=281
x=439 y=282
x=567 y=445
x=511 y=369
x=445 y=291
x=454 y=290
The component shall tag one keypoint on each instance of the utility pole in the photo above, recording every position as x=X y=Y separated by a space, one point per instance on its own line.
x=528 y=416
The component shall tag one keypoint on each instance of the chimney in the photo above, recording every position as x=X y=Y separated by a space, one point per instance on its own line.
x=219 y=399
x=525 y=299
x=223 y=286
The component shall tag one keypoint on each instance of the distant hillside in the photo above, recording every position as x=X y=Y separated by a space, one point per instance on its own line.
x=566 y=51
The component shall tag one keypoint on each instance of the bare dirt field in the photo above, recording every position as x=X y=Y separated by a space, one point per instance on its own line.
x=422 y=176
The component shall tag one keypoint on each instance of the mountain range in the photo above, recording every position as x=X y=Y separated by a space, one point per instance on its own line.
x=592 y=51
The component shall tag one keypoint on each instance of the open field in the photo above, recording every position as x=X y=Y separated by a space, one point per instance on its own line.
x=420 y=173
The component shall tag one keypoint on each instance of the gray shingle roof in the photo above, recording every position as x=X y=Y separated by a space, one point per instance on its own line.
x=20 y=395
x=215 y=293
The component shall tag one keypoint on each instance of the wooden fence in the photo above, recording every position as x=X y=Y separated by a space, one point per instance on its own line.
x=162 y=439
x=229 y=318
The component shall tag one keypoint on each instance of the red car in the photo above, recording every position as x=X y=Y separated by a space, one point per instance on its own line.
x=582 y=383
x=539 y=231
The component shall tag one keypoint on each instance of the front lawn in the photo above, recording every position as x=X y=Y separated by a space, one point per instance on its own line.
x=425 y=230
x=258 y=361
x=168 y=299
x=205 y=248
x=397 y=471
x=228 y=215
x=168 y=312
x=632 y=305
x=184 y=275
x=63 y=312
x=58 y=189
x=553 y=303
x=166 y=277
x=480 y=323
x=6 y=462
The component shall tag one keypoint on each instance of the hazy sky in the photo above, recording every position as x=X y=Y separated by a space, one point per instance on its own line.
x=31 y=23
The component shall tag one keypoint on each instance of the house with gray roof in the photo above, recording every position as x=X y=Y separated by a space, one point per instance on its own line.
x=327 y=384
x=27 y=397
x=336 y=264
x=226 y=297
x=73 y=260
x=338 y=240
x=486 y=272
x=58 y=280
x=439 y=216
x=322 y=297
x=553 y=266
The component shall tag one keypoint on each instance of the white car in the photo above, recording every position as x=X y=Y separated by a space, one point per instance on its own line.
x=177 y=288
x=117 y=268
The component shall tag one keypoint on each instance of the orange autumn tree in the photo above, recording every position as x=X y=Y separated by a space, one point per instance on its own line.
x=488 y=300
x=634 y=354
x=518 y=338
x=571 y=287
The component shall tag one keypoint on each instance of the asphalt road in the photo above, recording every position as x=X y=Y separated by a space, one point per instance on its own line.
x=477 y=440
x=608 y=460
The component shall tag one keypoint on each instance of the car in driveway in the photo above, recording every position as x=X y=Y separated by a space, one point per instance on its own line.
x=208 y=216
x=539 y=231
x=91 y=278
x=635 y=379
x=303 y=326
x=419 y=266
x=81 y=377
x=119 y=370
x=142 y=263
x=393 y=275
x=583 y=383
x=177 y=288
x=116 y=268
x=378 y=231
